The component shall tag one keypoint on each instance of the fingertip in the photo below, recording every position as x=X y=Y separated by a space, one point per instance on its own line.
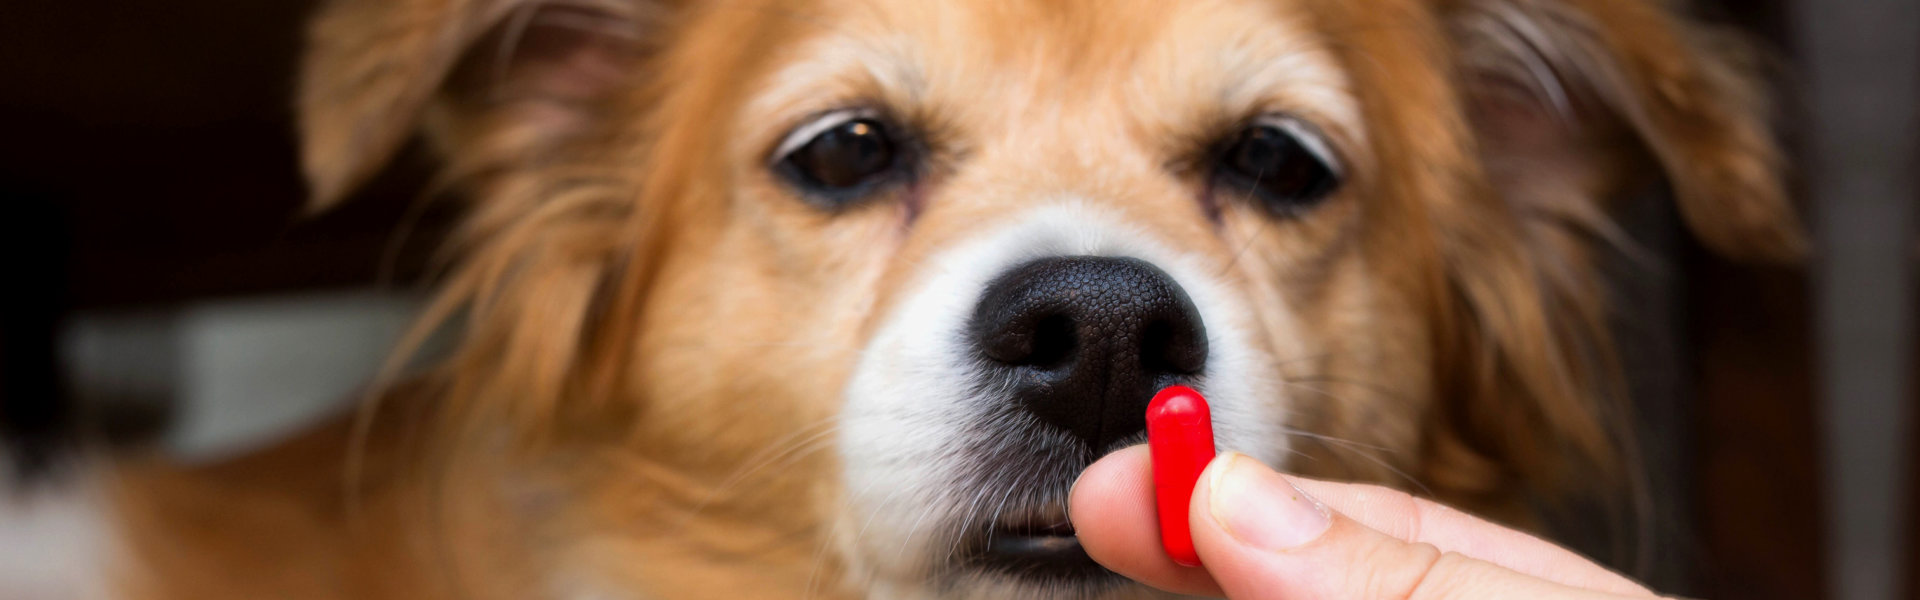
x=1115 y=475
x=1112 y=503
x=1113 y=514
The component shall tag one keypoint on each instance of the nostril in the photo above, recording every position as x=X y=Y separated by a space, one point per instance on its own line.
x=1053 y=342
x=1047 y=342
x=1170 y=348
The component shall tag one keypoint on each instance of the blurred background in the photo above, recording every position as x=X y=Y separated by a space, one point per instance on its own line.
x=166 y=293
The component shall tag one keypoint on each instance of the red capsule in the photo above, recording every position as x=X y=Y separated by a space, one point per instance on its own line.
x=1180 y=436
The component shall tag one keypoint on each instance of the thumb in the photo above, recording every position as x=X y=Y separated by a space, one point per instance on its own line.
x=1261 y=536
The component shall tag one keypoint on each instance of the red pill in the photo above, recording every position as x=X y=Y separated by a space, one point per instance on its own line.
x=1180 y=436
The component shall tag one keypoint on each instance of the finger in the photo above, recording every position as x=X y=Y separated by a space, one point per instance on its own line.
x=1260 y=536
x=1113 y=512
x=1403 y=516
x=1112 y=509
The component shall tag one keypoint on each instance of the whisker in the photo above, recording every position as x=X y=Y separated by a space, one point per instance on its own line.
x=1297 y=452
x=1356 y=448
x=1350 y=446
x=1301 y=359
x=1328 y=438
x=862 y=533
x=877 y=509
x=782 y=451
x=1371 y=388
x=1258 y=230
x=915 y=528
x=994 y=517
x=972 y=509
x=820 y=552
x=1359 y=449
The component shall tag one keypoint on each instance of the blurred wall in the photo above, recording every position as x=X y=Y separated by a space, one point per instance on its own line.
x=1861 y=62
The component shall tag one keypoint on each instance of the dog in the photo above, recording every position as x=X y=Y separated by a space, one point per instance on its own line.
x=835 y=298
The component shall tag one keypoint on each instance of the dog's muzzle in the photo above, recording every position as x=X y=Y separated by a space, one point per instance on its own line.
x=1080 y=343
x=1020 y=359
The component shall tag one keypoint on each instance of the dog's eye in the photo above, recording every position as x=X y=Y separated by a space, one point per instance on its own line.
x=1282 y=162
x=840 y=154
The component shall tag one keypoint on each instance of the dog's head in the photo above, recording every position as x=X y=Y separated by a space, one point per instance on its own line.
x=826 y=297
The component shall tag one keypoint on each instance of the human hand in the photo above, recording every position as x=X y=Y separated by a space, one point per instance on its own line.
x=1266 y=535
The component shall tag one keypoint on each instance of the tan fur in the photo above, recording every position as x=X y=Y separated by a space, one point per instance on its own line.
x=646 y=313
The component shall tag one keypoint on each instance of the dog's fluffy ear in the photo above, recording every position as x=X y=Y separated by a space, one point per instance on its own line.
x=376 y=72
x=1576 y=106
x=1557 y=85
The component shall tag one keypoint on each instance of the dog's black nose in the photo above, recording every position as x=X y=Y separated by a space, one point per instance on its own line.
x=1087 y=340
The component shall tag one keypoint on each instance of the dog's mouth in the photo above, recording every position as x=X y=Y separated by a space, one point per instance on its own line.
x=1037 y=544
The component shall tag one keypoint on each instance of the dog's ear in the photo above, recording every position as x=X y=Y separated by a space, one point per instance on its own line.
x=378 y=72
x=1576 y=107
x=1558 y=86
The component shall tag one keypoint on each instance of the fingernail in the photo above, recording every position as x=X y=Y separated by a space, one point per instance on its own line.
x=1261 y=509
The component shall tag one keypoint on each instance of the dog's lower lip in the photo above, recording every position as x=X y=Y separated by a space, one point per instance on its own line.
x=1038 y=529
x=1042 y=551
x=1036 y=547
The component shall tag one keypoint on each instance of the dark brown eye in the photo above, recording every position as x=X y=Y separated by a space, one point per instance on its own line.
x=1280 y=162
x=840 y=158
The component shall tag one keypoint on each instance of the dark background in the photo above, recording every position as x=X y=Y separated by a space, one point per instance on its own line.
x=147 y=160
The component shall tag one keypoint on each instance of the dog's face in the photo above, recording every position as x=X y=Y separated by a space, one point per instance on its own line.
x=1069 y=209
x=839 y=297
